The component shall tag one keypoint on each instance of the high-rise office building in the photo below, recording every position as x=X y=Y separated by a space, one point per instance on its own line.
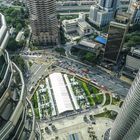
x=102 y=13
x=127 y=123
x=116 y=35
x=17 y=119
x=43 y=19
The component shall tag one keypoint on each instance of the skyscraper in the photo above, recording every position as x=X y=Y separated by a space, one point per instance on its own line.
x=43 y=21
x=116 y=35
x=127 y=123
x=17 y=119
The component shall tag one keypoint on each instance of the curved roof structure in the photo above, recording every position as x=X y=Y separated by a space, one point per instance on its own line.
x=60 y=93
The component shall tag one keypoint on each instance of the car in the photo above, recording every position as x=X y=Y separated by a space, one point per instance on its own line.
x=93 y=122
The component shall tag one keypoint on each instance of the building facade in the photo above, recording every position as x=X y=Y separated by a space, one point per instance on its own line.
x=100 y=17
x=133 y=59
x=123 y=5
x=127 y=123
x=134 y=9
x=102 y=13
x=17 y=119
x=108 y=4
x=43 y=20
x=116 y=36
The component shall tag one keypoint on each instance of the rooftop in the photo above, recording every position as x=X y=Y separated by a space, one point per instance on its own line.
x=90 y=44
x=70 y=21
x=84 y=24
x=101 y=40
x=60 y=93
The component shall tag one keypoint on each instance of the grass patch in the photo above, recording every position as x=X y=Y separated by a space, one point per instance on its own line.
x=98 y=99
x=36 y=113
x=95 y=90
x=30 y=63
x=35 y=105
x=107 y=99
x=34 y=101
x=87 y=92
x=115 y=101
x=47 y=97
x=108 y=114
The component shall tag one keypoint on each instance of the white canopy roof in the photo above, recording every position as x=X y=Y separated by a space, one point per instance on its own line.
x=60 y=93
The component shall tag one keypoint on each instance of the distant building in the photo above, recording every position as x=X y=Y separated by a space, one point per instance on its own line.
x=116 y=35
x=43 y=20
x=78 y=25
x=100 y=17
x=108 y=4
x=134 y=9
x=123 y=5
x=102 y=13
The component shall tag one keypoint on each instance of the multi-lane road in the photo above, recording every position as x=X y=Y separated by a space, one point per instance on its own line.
x=42 y=67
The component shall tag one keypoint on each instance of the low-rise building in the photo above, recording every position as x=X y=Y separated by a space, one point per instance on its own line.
x=69 y=25
x=132 y=63
x=78 y=25
x=133 y=59
x=90 y=46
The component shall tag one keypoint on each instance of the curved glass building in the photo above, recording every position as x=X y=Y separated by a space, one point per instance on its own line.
x=17 y=119
x=127 y=123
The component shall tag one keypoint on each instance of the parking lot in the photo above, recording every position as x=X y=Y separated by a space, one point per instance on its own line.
x=102 y=78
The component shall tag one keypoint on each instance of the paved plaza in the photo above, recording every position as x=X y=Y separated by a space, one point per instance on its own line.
x=76 y=124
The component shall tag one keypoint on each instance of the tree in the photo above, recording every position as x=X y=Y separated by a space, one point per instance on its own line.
x=130 y=43
x=18 y=26
x=60 y=50
x=14 y=13
x=21 y=43
x=8 y=19
x=20 y=63
x=89 y=57
x=12 y=45
x=26 y=32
